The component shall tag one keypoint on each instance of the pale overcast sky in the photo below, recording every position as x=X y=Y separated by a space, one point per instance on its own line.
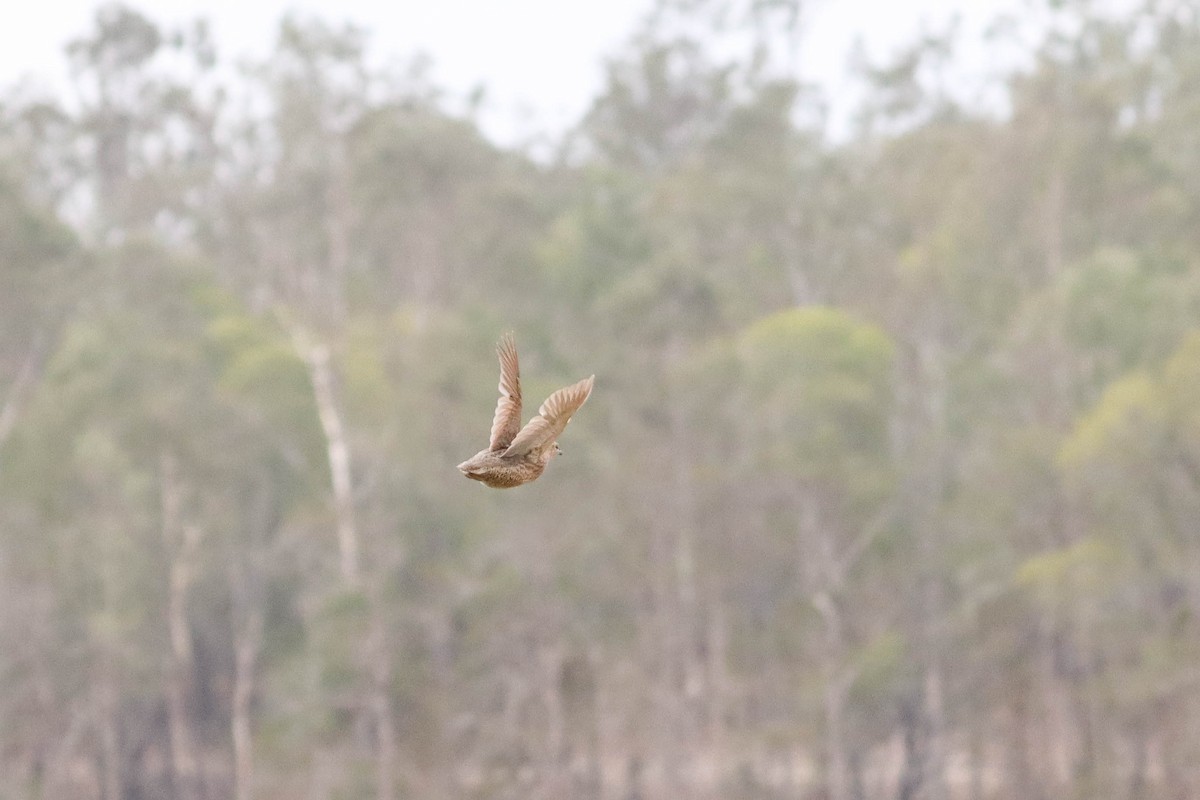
x=541 y=60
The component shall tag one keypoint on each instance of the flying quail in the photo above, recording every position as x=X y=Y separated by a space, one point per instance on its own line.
x=517 y=455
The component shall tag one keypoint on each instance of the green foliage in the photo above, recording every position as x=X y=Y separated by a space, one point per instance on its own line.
x=820 y=384
x=1181 y=386
x=879 y=665
x=31 y=241
x=1126 y=420
x=1084 y=566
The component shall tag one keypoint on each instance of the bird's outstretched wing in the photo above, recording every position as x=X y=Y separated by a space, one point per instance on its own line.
x=552 y=417
x=507 y=421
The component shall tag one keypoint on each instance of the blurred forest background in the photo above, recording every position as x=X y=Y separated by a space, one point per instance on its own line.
x=889 y=487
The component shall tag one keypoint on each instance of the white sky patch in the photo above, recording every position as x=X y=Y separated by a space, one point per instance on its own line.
x=540 y=61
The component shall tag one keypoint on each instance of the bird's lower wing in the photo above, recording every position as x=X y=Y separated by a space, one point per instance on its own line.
x=507 y=421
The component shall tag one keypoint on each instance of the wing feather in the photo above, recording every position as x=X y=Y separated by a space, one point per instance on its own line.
x=507 y=421
x=551 y=418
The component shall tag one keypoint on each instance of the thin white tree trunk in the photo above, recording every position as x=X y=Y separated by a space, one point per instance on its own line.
x=337 y=448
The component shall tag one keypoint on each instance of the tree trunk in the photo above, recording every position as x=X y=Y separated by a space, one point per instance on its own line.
x=554 y=758
x=181 y=542
x=935 y=728
x=247 y=577
x=1020 y=769
x=441 y=779
x=928 y=453
x=381 y=710
x=837 y=764
x=337 y=230
x=977 y=760
x=687 y=655
x=1139 y=743
x=337 y=449
x=20 y=389
x=838 y=767
x=717 y=642
x=912 y=772
x=666 y=690
x=822 y=574
x=107 y=698
x=246 y=646
x=578 y=685
x=1054 y=220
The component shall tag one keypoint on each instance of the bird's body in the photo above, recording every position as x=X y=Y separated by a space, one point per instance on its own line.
x=517 y=455
x=495 y=470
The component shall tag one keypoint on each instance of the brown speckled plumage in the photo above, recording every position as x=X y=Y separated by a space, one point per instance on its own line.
x=517 y=455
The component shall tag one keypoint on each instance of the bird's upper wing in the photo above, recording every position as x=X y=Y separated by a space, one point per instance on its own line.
x=552 y=417
x=507 y=421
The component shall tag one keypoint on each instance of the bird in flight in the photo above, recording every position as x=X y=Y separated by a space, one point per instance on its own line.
x=517 y=455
